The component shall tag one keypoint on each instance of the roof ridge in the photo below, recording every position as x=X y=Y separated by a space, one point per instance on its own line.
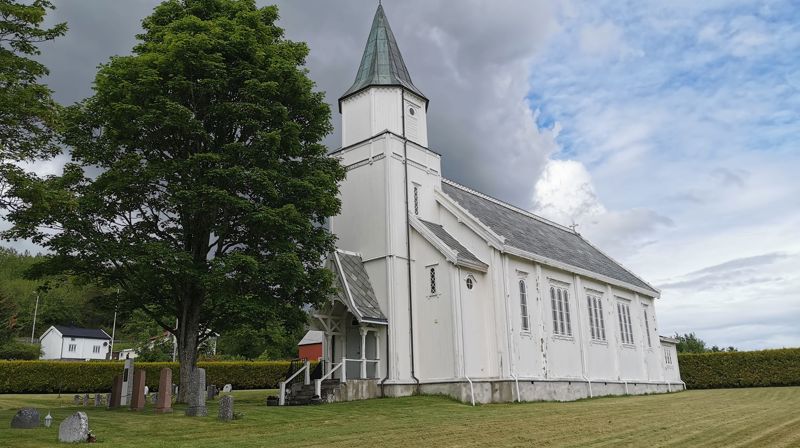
x=509 y=206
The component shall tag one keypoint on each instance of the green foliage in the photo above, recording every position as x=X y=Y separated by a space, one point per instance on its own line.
x=20 y=351
x=271 y=341
x=159 y=350
x=8 y=318
x=690 y=343
x=28 y=114
x=80 y=377
x=213 y=184
x=766 y=368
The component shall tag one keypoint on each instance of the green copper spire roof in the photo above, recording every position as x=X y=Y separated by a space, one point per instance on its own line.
x=382 y=63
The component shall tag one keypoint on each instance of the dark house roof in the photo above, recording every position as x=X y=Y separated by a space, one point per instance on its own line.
x=539 y=236
x=382 y=64
x=352 y=282
x=87 y=333
x=463 y=254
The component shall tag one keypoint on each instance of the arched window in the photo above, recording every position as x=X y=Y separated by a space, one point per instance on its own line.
x=523 y=305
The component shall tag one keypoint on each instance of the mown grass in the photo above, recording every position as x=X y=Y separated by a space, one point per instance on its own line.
x=709 y=418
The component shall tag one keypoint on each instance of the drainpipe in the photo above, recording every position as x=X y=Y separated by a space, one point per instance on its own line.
x=408 y=234
x=463 y=346
x=578 y=294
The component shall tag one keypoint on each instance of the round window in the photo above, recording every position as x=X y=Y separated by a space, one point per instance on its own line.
x=411 y=111
x=470 y=283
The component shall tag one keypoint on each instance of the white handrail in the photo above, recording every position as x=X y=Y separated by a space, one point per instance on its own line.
x=282 y=384
x=318 y=382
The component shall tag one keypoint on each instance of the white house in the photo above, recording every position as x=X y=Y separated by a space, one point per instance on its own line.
x=443 y=289
x=73 y=343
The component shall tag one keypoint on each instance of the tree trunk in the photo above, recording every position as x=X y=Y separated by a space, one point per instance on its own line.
x=187 y=352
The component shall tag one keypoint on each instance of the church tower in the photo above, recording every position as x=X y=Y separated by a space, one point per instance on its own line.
x=391 y=173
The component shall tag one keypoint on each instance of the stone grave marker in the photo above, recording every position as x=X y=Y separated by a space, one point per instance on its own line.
x=137 y=394
x=25 y=418
x=74 y=428
x=164 y=404
x=98 y=400
x=77 y=399
x=86 y=399
x=227 y=389
x=146 y=390
x=127 y=383
x=154 y=397
x=197 y=395
x=226 y=408
x=116 y=393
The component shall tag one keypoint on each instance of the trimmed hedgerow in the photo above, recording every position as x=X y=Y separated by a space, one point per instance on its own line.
x=80 y=377
x=720 y=370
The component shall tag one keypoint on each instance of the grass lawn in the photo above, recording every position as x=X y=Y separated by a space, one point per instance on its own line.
x=731 y=417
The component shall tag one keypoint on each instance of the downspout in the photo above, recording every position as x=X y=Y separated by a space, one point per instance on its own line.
x=510 y=333
x=578 y=293
x=408 y=234
x=464 y=351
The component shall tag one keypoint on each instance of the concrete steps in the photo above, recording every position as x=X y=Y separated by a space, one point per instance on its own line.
x=301 y=394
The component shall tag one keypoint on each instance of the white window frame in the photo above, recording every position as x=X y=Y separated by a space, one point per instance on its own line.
x=559 y=304
x=72 y=348
x=433 y=280
x=667 y=356
x=470 y=279
x=523 y=306
x=625 y=322
x=597 y=324
x=96 y=349
x=415 y=195
x=647 y=325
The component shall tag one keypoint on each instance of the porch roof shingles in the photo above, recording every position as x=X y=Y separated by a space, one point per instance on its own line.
x=463 y=254
x=362 y=296
x=530 y=234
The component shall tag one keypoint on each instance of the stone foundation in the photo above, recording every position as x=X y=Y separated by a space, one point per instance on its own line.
x=501 y=391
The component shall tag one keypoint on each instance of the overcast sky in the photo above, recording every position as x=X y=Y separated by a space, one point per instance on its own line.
x=668 y=131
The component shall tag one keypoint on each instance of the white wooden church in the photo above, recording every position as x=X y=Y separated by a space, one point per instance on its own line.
x=445 y=290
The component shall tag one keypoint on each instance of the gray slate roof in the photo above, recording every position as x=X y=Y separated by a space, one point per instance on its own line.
x=382 y=64
x=77 y=332
x=463 y=253
x=539 y=236
x=359 y=288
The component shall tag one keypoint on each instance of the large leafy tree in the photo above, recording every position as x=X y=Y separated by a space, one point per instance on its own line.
x=198 y=184
x=28 y=114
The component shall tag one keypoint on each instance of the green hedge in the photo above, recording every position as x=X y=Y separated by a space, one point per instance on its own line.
x=741 y=369
x=80 y=377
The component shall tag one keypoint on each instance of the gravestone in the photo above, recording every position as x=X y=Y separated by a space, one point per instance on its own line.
x=211 y=392
x=98 y=400
x=227 y=389
x=127 y=383
x=25 y=418
x=197 y=394
x=154 y=397
x=137 y=394
x=77 y=399
x=164 y=404
x=74 y=428
x=226 y=408
x=116 y=393
x=146 y=390
x=86 y=399
x=106 y=398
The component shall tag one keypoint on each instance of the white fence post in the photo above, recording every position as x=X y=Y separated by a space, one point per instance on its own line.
x=344 y=369
x=282 y=396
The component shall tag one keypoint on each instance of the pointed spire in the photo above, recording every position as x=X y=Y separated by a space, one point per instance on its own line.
x=382 y=64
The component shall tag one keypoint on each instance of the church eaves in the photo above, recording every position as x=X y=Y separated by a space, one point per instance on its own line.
x=382 y=64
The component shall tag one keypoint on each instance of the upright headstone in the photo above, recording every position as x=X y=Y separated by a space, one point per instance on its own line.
x=74 y=428
x=115 y=400
x=211 y=391
x=146 y=390
x=226 y=408
x=106 y=399
x=98 y=400
x=77 y=399
x=154 y=397
x=86 y=399
x=227 y=389
x=127 y=383
x=164 y=403
x=25 y=418
x=137 y=395
x=197 y=394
